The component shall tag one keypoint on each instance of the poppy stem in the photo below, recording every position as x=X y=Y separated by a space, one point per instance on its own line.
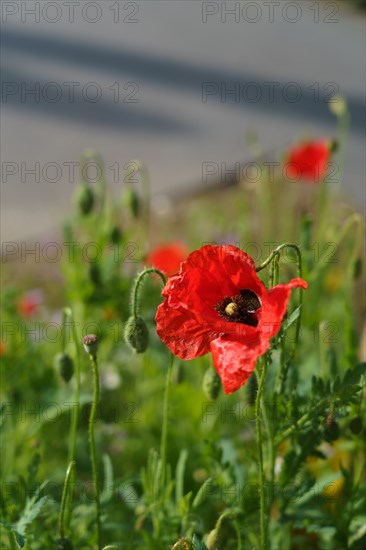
x=76 y=409
x=65 y=494
x=274 y=256
x=136 y=287
x=263 y=529
x=164 y=432
x=92 y=418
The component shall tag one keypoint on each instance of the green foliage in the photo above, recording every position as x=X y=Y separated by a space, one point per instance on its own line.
x=313 y=403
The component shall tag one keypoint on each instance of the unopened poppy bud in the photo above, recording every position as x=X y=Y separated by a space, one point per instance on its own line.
x=211 y=384
x=183 y=544
x=213 y=539
x=90 y=342
x=65 y=365
x=84 y=199
x=136 y=334
x=356 y=425
x=132 y=202
x=115 y=235
x=338 y=105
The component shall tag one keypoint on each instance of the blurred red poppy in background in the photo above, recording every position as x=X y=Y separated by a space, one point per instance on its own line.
x=309 y=161
x=218 y=304
x=167 y=257
x=28 y=304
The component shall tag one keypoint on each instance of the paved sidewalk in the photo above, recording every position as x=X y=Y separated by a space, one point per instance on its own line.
x=175 y=84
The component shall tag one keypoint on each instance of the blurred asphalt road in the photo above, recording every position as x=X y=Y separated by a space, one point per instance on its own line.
x=147 y=80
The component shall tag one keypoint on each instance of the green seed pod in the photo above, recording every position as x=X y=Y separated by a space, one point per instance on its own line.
x=84 y=199
x=356 y=425
x=115 y=235
x=136 y=334
x=65 y=366
x=132 y=202
x=211 y=384
x=90 y=342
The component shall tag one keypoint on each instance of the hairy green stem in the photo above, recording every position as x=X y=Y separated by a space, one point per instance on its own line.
x=65 y=494
x=164 y=432
x=92 y=418
x=263 y=529
x=137 y=286
x=75 y=414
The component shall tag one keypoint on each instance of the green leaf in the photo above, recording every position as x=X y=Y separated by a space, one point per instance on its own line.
x=198 y=544
x=354 y=374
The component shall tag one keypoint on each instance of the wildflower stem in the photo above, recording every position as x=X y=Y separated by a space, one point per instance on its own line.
x=92 y=418
x=263 y=530
x=275 y=257
x=137 y=285
x=302 y=420
x=75 y=416
x=65 y=494
x=164 y=431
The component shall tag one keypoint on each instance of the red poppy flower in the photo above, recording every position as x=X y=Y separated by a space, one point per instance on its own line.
x=28 y=304
x=218 y=304
x=308 y=161
x=168 y=257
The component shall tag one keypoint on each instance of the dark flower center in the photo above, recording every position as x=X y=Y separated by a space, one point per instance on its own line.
x=241 y=308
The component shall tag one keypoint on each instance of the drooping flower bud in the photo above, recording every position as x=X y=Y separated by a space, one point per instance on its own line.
x=211 y=384
x=84 y=199
x=252 y=386
x=132 y=202
x=213 y=539
x=90 y=342
x=136 y=334
x=65 y=365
